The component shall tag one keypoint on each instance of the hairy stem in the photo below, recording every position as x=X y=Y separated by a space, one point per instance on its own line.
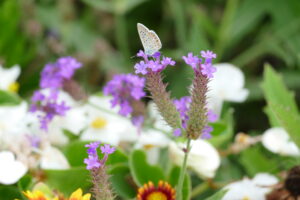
x=101 y=185
x=163 y=100
x=198 y=111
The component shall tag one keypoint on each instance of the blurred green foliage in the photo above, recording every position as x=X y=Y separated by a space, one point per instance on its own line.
x=102 y=34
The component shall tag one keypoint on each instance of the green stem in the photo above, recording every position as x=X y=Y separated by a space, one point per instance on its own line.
x=182 y=171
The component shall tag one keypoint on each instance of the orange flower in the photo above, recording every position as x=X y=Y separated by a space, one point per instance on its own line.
x=163 y=191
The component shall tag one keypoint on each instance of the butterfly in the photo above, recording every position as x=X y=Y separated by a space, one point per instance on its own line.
x=149 y=38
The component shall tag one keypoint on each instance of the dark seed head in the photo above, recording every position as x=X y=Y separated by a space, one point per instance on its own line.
x=292 y=183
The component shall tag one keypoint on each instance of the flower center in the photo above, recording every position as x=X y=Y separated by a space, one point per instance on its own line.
x=157 y=196
x=99 y=123
x=148 y=146
x=13 y=87
x=246 y=198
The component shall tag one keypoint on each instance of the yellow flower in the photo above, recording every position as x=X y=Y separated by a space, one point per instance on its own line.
x=37 y=195
x=77 y=195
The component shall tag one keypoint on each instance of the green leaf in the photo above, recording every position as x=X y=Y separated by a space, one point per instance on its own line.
x=75 y=152
x=254 y=161
x=143 y=172
x=24 y=184
x=282 y=108
x=276 y=92
x=287 y=119
x=122 y=181
x=67 y=181
x=8 y=98
x=173 y=180
x=218 y=196
x=9 y=192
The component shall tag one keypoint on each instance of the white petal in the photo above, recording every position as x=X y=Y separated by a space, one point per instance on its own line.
x=102 y=136
x=52 y=158
x=153 y=137
x=265 y=179
x=10 y=169
x=203 y=157
x=255 y=189
x=278 y=141
x=8 y=76
x=227 y=84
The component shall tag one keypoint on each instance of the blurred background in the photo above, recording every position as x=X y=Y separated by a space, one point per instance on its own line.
x=102 y=34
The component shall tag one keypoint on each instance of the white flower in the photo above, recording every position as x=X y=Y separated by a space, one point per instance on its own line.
x=11 y=119
x=278 y=141
x=159 y=122
x=9 y=77
x=52 y=158
x=11 y=170
x=152 y=141
x=105 y=124
x=227 y=85
x=74 y=120
x=203 y=157
x=254 y=189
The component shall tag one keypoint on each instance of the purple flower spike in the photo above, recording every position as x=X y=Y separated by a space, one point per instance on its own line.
x=92 y=148
x=92 y=162
x=211 y=116
x=141 y=68
x=167 y=61
x=207 y=69
x=106 y=149
x=126 y=89
x=177 y=132
x=142 y=55
x=67 y=66
x=192 y=60
x=208 y=54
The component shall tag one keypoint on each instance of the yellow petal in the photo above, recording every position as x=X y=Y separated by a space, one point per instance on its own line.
x=86 y=196
x=76 y=195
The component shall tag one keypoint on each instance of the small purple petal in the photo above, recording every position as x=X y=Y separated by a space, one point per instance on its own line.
x=106 y=149
x=211 y=116
x=177 y=132
x=92 y=162
x=208 y=54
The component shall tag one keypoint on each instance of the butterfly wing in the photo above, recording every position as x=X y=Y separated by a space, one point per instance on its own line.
x=149 y=38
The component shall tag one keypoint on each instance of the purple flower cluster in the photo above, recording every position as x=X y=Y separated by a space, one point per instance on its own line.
x=183 y=105
x=93 y=161
x=125 y=89
x=54 y=74
x=52 y=79
x=155 y=65
x=206 y=68
x=48 y=107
